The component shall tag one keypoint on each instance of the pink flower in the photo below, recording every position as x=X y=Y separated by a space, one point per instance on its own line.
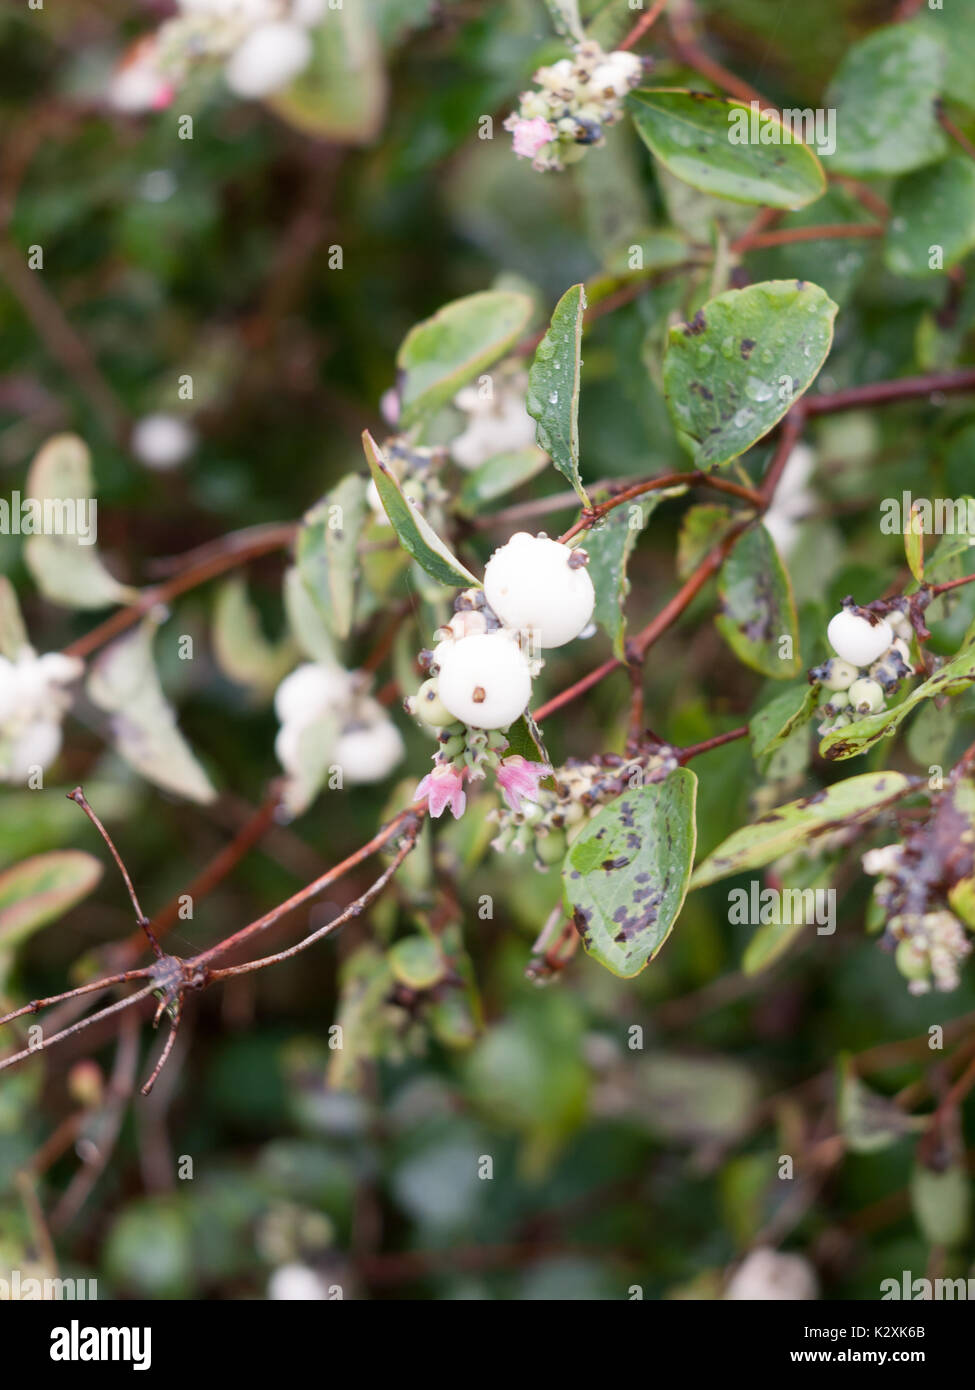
x=443 y=787
x=519 y=779
x=530 y=136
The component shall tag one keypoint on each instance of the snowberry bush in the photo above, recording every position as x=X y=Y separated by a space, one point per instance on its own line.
x=492 y=488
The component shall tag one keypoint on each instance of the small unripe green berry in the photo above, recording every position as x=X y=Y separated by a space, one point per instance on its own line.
x=840 y=674
x=912 y=963
x=550 y=849
x=866 y=696
x=427 y=706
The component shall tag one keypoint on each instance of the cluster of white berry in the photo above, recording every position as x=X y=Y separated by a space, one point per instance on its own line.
x=537 y=594
x=872 y=658
x=263 y=45
x=549 y=825
x=328 y=717
x=497 y=421
x=574 y=101
x=931 y=942
x=33 y=702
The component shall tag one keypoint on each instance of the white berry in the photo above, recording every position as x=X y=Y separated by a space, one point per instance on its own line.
x=309 y=691
x=534 y=586
x=162 y=441
x=859 y=637
x=866 y=696
x=268 y=59
x=840 y=674
x=368 y=751
x=484 y=680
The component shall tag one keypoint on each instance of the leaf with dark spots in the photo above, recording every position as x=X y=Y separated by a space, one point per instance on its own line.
x=758 y=610
x=852 y=802
x=626 y=875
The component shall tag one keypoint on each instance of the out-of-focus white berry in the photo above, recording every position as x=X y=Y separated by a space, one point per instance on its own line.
x=840 y=674
x=858 y=636
x=367 y=751
x=311 y=690
x=296 y=1283
x=268 y=59
x=866 y=696
x=766 y=1275
x=484 y=680
x=496 y=424
x=467 y=622
x=308 y=12
x=138 y=84
x=883 y=860
x=533 y=586
x=629 y=65
x=162 y=441
x=36 y=746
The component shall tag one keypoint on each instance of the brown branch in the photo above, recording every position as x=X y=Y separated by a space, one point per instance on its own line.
x=784 y=236
x=643 y=25
x=665 y=480
x=78 y=797
x=959 y=136
x=232 y=550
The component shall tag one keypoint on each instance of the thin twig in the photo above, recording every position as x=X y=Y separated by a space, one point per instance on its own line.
x=79 y=799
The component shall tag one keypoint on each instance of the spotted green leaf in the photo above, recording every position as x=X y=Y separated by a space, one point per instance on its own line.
x=727 y=149
x=736 y=368
x=553 y=386
x=626 y=875
x=798 y=822
x=884 y=96
x=445 y=352
x=758 y=612
x=416 y=535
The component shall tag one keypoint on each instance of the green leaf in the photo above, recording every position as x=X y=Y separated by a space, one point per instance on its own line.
x=553 y=386
x=768 y=944
x=855 y=800
x=304 y=619
x=525 y=738
x=445 y=352
x=775 y=722
x=42 y=888
x=884 y=96
x=416 y=962
x=13 y=636
x=727 y=149
x=67 y=568
x=123 y=681
x=865 y=733
x=341 y=95
x=497 y=476
x=625 y=876
x=942 y=1204
x=736 y=368
x=609 y=545
x=932 y=208
x=702 y=529
x=326 y=551
x=758 y=610
x=242 y=651
x=316 y=750
x=416 y=535
x=869 y=1122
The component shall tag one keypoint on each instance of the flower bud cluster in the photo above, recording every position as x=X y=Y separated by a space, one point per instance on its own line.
x=930 y=941
x=571 y=105
x=33 y=702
